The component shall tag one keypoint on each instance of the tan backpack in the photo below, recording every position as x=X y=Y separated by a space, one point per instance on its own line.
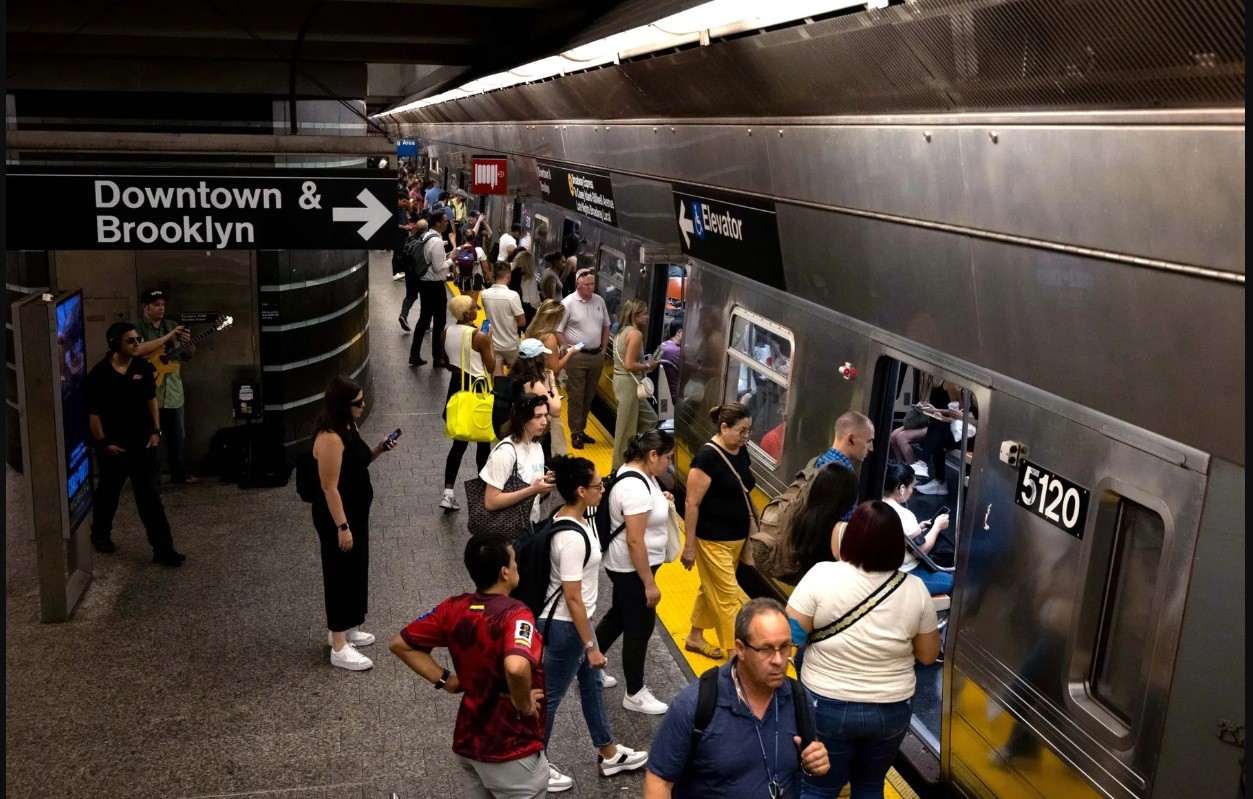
x=771 y=546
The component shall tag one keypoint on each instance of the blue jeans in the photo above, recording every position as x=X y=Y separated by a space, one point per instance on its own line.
x=564 y=659
x=861 y=740
x=175 y=442
x=936 y=582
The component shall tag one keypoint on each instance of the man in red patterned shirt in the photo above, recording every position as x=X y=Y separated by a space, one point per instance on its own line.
x=498 y=740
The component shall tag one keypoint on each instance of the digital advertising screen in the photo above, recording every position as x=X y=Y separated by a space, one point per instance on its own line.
x=73 y=350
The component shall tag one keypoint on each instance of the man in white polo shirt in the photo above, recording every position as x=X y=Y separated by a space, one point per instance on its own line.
x=586 y=326
x=503 y=308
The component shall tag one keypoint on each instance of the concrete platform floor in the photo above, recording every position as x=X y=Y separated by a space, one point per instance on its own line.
x=213 y=680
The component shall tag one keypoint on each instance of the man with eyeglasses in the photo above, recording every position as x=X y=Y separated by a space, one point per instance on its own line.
x=586 y=328
x=125 y=423
x=755 y=742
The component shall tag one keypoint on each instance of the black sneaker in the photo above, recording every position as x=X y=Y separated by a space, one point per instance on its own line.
x=172 y=559
x=587 y=439
x=576 y=441
x=404 y=323
x=104 y=546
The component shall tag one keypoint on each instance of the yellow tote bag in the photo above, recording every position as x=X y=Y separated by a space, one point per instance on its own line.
x=468 y=415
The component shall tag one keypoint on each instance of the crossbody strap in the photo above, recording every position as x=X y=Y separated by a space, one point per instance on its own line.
x=747 y=501
x=882 y=592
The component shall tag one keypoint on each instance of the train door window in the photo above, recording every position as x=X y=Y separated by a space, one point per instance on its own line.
x=610 y=270
x=676 y=293
x=1135 y=556
x=539 y=237
x=759 y=360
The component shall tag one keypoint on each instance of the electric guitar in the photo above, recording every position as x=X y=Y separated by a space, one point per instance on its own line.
x=167 y=362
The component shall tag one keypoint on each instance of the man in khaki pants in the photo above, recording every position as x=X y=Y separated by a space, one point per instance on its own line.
x=586 y=327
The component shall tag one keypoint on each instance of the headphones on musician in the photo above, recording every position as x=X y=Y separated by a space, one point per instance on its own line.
x=113 y=336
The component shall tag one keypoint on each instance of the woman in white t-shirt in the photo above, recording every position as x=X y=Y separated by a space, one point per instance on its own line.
x=465 y=346
x=863 y=677
x=641 y=509
x=519 y=450
x=570 y=648
x=898 y=487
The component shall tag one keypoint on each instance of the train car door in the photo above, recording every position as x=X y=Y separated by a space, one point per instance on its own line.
x=1072 y=570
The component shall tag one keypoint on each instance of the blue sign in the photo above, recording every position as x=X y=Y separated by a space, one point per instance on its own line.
x=407 y=148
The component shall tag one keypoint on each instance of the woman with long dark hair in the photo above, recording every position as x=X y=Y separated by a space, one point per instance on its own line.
x=862 y=677
x=531 y=375
x=570 y=648
x=519 y=450
x=341 y=515
x=818 y=523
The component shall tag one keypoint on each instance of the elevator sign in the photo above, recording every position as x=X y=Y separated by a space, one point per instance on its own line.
x=201 y=211
x=735 y=231
x=489 y=175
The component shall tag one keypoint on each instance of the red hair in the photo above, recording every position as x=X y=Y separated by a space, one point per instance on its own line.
x=874 y=540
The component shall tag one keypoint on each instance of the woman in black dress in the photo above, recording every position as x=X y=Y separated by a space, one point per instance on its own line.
x=341 y=515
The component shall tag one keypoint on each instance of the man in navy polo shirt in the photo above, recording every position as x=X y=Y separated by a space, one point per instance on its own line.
x=751 y=746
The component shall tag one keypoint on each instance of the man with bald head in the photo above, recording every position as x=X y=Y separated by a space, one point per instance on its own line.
x=854 y=440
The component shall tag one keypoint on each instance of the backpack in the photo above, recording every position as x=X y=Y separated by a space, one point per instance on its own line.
x=707 y=702
x=414 y=251
x=465 y=259
x=533 y=553
x=603 y=532
x=308 y=484
x=771 y=545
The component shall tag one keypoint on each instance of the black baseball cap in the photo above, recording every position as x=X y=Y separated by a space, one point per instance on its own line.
x=151 y=296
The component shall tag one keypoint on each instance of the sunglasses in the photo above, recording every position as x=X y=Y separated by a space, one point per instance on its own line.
x=133 y=340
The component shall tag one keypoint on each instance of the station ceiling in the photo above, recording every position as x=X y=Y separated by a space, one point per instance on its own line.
x=409 y=48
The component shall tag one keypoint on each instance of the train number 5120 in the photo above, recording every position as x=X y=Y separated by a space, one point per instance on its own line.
x=1052 y=497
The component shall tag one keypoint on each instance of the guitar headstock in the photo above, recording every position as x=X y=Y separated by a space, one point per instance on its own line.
x=223 y=322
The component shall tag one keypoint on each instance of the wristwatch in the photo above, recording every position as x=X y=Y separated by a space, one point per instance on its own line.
x=342 y=527
x=443 y=680
x=590 y=644
x=156 y=431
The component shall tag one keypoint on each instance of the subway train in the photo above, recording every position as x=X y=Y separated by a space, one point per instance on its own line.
x=1078 y=273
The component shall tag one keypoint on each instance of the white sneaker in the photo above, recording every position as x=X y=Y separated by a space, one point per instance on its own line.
x=920 y=469
x=608 y=680
x=558 y=782
x=627 y=759
x=398 y=276
x=349 y=658
x=934 y=488
x=645 y=702
x=449 y=501
x=356 y=637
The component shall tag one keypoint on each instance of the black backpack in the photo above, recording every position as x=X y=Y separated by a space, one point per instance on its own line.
x=533 y=552
x=707 y=702
x=603 y=532
x=308 y=484
x=415 y=252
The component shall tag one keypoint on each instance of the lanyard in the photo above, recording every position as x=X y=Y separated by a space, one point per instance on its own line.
x=774 y=788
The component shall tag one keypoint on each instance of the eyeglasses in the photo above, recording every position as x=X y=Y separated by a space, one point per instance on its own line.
x=598 y=486
x=132 y=340
x=787 y=650
x=742 y=431
x=358 y=403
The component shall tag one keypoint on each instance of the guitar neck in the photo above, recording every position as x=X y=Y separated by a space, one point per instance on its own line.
x=196 y=339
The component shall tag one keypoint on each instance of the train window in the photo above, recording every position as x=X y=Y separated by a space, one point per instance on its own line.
x=1125 y=623
x=539 y=238
x=759 y=360
x=610 y=269
x=676 y=296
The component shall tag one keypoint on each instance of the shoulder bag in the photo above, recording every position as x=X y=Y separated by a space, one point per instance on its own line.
x=754 y=524
x=468 y=415
x=674 y=538
x=509 y=523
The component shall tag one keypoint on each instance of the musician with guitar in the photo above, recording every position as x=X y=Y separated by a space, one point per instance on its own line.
x=165 y=346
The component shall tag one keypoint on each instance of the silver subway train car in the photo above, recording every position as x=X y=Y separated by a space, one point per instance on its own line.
x=1075 y=267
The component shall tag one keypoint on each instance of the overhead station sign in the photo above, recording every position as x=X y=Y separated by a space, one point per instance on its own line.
x=201 y=211
x=738 y=232
x=584 y=191
x=489 y=175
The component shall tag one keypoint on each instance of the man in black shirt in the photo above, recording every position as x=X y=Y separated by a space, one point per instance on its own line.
x=122 y=412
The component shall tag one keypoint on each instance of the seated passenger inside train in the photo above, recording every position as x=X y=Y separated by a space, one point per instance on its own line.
x=898 y=487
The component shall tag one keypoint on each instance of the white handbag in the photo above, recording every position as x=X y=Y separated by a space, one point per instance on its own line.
x=644 y=387
x=674 y=538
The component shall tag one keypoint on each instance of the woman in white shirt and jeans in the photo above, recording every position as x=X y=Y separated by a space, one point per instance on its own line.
x=639 y=506
x=863 y=677
x=570 y=648
x=519 y=449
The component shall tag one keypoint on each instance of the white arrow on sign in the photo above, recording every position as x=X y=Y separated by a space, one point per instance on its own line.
x=374 y=214
x=685 y=225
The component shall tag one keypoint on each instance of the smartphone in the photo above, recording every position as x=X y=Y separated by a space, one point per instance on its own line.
x=487 y=326
x=938 y=514
x=395 y=435
x=578 y=345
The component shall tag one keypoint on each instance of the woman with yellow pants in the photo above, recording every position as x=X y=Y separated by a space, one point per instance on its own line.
x=716 y=524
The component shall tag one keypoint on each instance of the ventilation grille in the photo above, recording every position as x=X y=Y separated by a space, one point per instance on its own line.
x=926 y=56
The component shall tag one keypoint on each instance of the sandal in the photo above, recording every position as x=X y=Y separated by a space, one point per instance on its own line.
x=705 y=649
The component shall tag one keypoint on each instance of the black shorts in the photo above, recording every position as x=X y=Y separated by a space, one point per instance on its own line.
x=468 y=284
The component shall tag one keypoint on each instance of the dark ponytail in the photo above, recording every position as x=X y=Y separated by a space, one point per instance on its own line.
x=898 y=476
x=728 y=414
x=655 y=440
x=571 y=473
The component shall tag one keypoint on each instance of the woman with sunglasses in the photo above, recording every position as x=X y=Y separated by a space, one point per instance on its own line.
x=570 y=648
x=716 y=525
x=341 y=515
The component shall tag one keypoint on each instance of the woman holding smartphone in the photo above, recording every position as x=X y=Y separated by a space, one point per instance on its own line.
x=629 y=366
x=898 y=487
